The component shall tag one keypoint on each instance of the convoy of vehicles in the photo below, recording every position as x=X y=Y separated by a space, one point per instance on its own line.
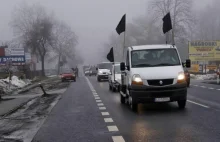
x=103 y=70
x=67 y=75
x=153 y=74
x=115 y=78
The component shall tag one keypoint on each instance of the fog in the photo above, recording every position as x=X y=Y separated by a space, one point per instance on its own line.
x=92 y=20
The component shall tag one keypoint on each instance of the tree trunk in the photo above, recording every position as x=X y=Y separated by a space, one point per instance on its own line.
x=42 y=66
x=58 y=69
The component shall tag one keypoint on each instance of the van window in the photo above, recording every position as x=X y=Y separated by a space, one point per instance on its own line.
x=127 y=58
x=154 y=58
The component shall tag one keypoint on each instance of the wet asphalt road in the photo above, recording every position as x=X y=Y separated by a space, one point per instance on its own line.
x=81 y=117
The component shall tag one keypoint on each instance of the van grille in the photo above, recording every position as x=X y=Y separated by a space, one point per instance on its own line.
x=160 y=82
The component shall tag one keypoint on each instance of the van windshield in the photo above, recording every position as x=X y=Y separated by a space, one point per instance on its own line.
x=154 y=58
x=105 y=66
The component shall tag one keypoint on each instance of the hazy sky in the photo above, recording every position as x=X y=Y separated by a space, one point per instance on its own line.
x=92 y=20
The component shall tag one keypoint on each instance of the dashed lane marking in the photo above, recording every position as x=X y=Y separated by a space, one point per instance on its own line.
x=198 y=104
x=96 y=95
x=102 y=108
x=203 y=86
x=98 y=101
x=108 y=120
x=218 y=89
x=100 y=104
x=97 y=98
x=211 y=88
x=118 y=139
x=112 y=128
x=105 y=113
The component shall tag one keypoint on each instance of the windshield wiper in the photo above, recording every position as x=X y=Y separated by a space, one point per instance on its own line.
x=142 y=65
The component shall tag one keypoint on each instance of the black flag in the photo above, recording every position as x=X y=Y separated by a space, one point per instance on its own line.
x=167 y=24
x=121 y=25
x=110 y=55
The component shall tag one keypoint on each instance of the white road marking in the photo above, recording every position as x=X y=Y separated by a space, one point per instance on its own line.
x=98 y=101
x=198 y=104
x=203 y=86
x=102 y=108
x=107 y=120
x=97 y=98
x=218 y=89
x=100 y=104
x=96 y=95
x=211 y=88
x=105 y=113
x=195 y=85
x=118 y=139
x=112 y=128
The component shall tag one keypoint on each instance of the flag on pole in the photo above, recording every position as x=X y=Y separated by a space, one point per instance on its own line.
x=167 y=24
x=121 y=25
x=110 y=55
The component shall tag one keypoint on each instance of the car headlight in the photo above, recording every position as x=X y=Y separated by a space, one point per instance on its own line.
x=100 y=72
x=181 y=77
x=136 y=80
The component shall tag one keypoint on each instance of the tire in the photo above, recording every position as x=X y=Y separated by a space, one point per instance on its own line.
x=188 y=84
x=110 y=87
x=113 y=89
x=122 y=99
x=98 y=79
x=182 y=104
x=133 y=105
x=74 y=80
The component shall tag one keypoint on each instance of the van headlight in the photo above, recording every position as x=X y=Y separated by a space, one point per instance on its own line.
x=100 y=72
x=136 y=80
x=181 y=77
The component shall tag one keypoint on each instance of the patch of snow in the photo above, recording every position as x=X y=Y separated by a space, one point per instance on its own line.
x=204 y=77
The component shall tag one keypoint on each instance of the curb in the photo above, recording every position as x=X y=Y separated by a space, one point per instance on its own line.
x=16 y=108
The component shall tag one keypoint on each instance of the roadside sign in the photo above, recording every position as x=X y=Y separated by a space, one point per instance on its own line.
x=9 y=63
x=16 y=51
x=211 y=67
x=194 y=68
x=15 y=60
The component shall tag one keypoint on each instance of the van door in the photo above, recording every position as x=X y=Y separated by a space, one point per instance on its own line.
x=127 y=71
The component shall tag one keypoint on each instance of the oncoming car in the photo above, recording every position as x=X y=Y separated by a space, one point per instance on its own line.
x=67 y=75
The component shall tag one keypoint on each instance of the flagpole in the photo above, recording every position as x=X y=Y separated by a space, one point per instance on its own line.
x=124 y=45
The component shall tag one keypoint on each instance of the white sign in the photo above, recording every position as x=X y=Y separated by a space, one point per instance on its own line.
x=28 y=57
x=16 y=51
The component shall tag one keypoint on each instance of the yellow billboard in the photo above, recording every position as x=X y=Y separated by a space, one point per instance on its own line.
x=194 y=68
x=204 y=50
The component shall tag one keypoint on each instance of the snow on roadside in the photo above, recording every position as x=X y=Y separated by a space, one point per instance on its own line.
x=16 y=83
x=204 y=77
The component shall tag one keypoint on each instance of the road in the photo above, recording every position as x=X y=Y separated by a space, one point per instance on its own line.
x=89 y=112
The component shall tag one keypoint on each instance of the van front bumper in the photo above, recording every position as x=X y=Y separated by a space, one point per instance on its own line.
x=148 y=94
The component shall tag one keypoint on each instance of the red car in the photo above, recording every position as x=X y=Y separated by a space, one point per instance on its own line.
x=68 y=75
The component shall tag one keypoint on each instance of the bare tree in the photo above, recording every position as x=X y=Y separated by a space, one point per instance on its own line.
x=34 y=26
x=64 y=42
x=181 y=14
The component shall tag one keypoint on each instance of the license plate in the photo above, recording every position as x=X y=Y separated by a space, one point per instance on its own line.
x=162 y=99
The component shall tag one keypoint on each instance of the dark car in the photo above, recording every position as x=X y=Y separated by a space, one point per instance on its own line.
x=187 y=76
x=67 y=75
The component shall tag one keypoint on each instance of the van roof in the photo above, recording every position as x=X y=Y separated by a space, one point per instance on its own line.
x=156 y=46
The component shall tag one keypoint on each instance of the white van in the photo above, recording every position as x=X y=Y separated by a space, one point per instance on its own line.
x=153 y=74
x=103 y=70
x=115 y=77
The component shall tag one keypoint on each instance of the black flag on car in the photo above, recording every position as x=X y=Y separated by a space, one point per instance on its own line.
x=110 y=55
x=121 y=25
x=167 y=24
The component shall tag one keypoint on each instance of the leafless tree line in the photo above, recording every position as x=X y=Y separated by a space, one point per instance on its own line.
x=41 y=33
x=188 y=25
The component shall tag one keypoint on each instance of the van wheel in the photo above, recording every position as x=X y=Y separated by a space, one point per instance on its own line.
x=110 y=87
x=133 y=104
x=122 y=99
x=113 y=89
x=182 y=104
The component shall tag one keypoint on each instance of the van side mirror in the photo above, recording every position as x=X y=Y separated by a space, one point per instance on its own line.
x=128 y=68
x=96 y=68
x=122 y=66
x=188 y=63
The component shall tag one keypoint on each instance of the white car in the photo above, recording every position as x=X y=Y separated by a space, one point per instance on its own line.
x=103 y=70
x=153 y=74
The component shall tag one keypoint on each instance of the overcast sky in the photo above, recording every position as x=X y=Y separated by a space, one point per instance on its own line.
x=92 y=20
